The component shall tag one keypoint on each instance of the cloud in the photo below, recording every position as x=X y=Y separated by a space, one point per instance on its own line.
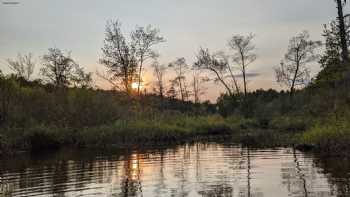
x=248 y=75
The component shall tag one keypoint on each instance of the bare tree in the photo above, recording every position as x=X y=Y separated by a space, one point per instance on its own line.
x=23 y=66
x=218 y=65
x=119 y=56
x=158 y=72
x=180 y=67
x=293 y=70
x=244 y=55
x=143 y=40
x=342 y=30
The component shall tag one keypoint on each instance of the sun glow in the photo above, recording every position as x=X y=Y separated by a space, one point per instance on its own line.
x=135 y=85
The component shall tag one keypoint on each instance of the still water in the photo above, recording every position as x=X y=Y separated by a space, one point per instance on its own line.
x=210 y=169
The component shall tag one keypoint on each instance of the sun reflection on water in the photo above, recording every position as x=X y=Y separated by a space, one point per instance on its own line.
x=189 y=170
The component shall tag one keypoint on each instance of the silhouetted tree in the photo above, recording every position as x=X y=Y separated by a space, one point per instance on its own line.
x=333 y=70
x=243 y=49
x=120 y=57
x=143 y=40
x=180 y=67
x=293 y=70
x=158 y=72
x=23 y=66
x=62 y=71
x=342 y=30
x=81 y=79
x=218 y=65
x=332 y=55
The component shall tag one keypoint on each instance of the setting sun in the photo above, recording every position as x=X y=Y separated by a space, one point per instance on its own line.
x=135 y=85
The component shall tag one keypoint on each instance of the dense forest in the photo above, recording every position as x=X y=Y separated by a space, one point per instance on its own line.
x=64 y=107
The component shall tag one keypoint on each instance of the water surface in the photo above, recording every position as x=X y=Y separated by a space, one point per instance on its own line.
x=210 y=169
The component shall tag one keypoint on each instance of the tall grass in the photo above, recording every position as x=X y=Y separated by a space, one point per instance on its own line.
x=331 y=136
x=290 y=123
x=156 y=129
x=168 y=129
x=159 y=130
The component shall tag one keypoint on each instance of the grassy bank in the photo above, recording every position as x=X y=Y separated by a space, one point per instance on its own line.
x=121 y=132
x=330 y=136
x=160 y=130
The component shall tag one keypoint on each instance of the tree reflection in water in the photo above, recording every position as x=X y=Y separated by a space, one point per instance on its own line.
x=337 y=170
x=303 y=178
x=202 y=169
x=131 y=183
x=300 y=174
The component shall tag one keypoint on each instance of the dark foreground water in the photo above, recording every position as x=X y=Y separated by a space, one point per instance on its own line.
x=212 y=169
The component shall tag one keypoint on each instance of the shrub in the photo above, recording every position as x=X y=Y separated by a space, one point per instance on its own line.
x=333 y=136
x=289 y=123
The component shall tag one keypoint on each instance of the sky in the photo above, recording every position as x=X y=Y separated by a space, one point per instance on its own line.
x=78 y=26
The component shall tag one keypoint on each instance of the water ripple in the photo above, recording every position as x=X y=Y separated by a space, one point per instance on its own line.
x=203 y=169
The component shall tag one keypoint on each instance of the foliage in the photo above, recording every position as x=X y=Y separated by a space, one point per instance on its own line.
x=23 y=66
x=61 y=70
x=124 y=57
x=70 y=115
x=332 y=54
x=119 y=57
x=331 y=136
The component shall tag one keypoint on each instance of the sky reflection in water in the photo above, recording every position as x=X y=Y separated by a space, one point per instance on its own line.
x=189 y=170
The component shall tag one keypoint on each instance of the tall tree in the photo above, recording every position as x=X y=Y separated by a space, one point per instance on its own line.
x=244 y=55
x=120 y=57
x=180 y=67
x=219 y=66
x=331 y=59
x=293 y=70
x=332 y=54
x=61 y=70
x=144 y=39
x=159 y=72
x=23 y=66
x=342 y=30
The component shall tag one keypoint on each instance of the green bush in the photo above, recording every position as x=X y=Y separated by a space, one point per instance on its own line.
x=332 y=136
x=289 y=123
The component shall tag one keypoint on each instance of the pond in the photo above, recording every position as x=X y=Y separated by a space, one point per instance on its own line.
x=199 y=169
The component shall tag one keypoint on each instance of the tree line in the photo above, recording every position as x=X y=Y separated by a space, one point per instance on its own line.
x=126 y=56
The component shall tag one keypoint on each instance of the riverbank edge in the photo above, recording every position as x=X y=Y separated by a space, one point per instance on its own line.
x=284 y=132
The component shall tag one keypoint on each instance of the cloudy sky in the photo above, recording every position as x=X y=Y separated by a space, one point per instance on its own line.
x=78 y=26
